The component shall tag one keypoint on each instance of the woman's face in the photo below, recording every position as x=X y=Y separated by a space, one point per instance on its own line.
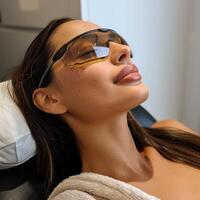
x=95 y=92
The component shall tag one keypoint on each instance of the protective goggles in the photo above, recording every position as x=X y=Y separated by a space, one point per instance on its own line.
x=87 y=47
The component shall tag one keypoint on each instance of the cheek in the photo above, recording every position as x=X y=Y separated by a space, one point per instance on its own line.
x=85 y=88
x=94 y=85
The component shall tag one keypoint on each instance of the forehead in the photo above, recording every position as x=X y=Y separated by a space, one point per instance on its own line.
x=69 y=30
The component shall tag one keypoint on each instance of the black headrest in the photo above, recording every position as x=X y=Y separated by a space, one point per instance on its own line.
x=21 y=182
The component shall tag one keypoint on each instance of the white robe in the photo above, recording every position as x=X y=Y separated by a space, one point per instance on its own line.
x=91 y=186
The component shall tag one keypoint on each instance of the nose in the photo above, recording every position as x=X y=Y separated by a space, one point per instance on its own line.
x=119 y=54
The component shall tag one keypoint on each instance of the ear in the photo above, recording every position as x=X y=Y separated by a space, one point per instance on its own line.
x=48 y=101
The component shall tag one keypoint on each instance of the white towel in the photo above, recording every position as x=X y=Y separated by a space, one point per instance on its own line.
x=91 y=186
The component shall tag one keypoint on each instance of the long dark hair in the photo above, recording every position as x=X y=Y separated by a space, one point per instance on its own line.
x=57 y=152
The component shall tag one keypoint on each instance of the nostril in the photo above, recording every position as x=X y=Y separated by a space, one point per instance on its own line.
x=122 y=57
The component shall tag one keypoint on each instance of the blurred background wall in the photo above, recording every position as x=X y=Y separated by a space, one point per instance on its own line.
x=164 y=36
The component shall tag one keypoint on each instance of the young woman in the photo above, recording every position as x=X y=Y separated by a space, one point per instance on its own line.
x=75 y=87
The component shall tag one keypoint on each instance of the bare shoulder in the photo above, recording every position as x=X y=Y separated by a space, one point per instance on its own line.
x=173 y=124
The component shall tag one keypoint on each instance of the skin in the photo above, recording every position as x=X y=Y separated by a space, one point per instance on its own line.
x=96 y=109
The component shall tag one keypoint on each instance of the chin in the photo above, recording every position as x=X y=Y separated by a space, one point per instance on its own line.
x=139 y=97
x=144 y=92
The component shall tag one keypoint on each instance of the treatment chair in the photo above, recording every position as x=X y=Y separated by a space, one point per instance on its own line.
x=22 y=182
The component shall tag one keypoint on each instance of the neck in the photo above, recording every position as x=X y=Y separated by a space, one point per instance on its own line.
x=109 y=149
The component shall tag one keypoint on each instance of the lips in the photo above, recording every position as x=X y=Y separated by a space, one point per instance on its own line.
x=129 y=73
